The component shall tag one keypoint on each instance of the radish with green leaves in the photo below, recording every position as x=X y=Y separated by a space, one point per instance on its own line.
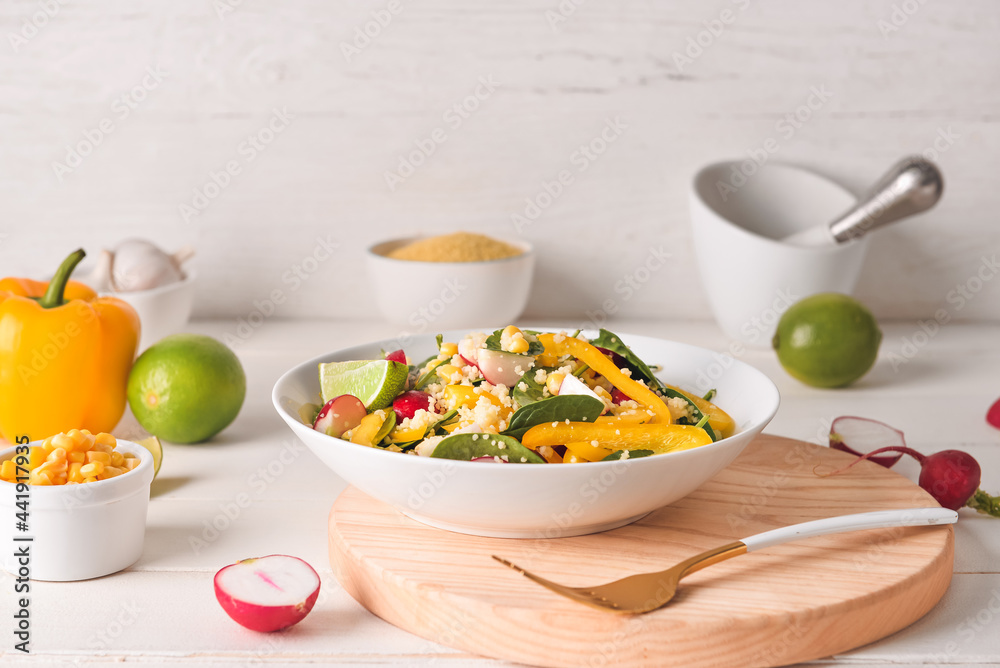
x=952 y=477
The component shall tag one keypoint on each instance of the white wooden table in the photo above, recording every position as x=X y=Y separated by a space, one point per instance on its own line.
x=255 y=490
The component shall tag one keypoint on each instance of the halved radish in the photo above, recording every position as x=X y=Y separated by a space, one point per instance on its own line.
x=573 y=385
x=339 y=415
x=267 y=593
x=396 y=356
x=502 y=368
x=859 y=436
x=469 y=347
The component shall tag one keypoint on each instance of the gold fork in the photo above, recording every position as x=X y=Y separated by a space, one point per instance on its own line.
x=646 y=592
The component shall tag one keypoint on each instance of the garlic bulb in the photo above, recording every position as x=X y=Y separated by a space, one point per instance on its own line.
x=136 y=265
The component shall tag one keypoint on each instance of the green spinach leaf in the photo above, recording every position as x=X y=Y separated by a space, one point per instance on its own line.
x=632 y=454
x=466 y=447
x=613 y=342
x=533 y=390
x=572 y=407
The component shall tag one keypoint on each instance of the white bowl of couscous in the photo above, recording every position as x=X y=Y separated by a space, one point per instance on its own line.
x=536 y=500
x=450 y=281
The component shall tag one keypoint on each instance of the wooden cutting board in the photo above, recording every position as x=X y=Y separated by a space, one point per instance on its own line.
x=781 y=605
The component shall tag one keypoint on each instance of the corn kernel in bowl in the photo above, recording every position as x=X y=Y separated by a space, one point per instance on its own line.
x=71 y=458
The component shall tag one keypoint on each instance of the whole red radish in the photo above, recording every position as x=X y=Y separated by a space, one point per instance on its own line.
x=267 y=593
x=339 y=415
x=396 y=356
x=408 y=403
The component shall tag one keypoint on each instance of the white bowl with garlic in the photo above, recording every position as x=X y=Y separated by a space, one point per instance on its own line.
x=155 y=283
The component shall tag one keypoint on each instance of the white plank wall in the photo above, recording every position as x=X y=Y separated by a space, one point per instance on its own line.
x=201 y=76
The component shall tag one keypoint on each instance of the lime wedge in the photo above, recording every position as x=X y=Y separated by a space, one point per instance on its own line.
x=375 y=382
x=153 y=445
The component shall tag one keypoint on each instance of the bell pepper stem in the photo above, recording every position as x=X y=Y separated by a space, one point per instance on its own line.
x=54 y=295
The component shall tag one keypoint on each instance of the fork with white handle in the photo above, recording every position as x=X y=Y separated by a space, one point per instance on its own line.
x=648 y=591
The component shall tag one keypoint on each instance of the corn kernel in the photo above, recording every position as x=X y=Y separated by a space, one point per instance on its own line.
x=100 y=447
x=74 y=475
x=8 y=469
x=447 y=371
x=110 y=472
x=518 y=344
x=90 y=479
x=57 y=455
x=116 y=458
x=77 y=457
x=37 y=456
x=93 y=469
x=510 y=330
x=553 y=382
x=86 y=432
x=449 y=349
x=105 y=439
x=39 y=478
x=131 y=463
x=95 y=456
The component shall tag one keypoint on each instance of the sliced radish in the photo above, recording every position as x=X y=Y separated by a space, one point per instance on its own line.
x=267 y=593
x=993 y=415
x=396 y=356
x=859 y=436
x=339 y=415
x=408 y=403
x=619 y=397
x=469 y=348
x=501 y=368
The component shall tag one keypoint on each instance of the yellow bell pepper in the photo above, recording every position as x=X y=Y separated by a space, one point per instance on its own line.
x=65 y=356
x=718 y=419
x=560 y=344
x=659 y=438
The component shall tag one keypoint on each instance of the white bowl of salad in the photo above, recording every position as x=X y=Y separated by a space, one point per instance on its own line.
x=520 y=433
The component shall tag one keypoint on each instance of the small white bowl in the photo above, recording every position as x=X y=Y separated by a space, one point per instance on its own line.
x=443 y=295
x=163 y=310
x=78 y=531
x=538 y=500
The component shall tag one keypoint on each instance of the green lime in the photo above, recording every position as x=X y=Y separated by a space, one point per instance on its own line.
x=827 y=340
x=375 y=382
x=186 y=388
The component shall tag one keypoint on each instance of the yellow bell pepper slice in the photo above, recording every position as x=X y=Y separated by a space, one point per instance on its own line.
x=718 y=419
x=560 y=344
x=659 y=438
x=365 y=433
x=631 y=417
x=588 y=451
